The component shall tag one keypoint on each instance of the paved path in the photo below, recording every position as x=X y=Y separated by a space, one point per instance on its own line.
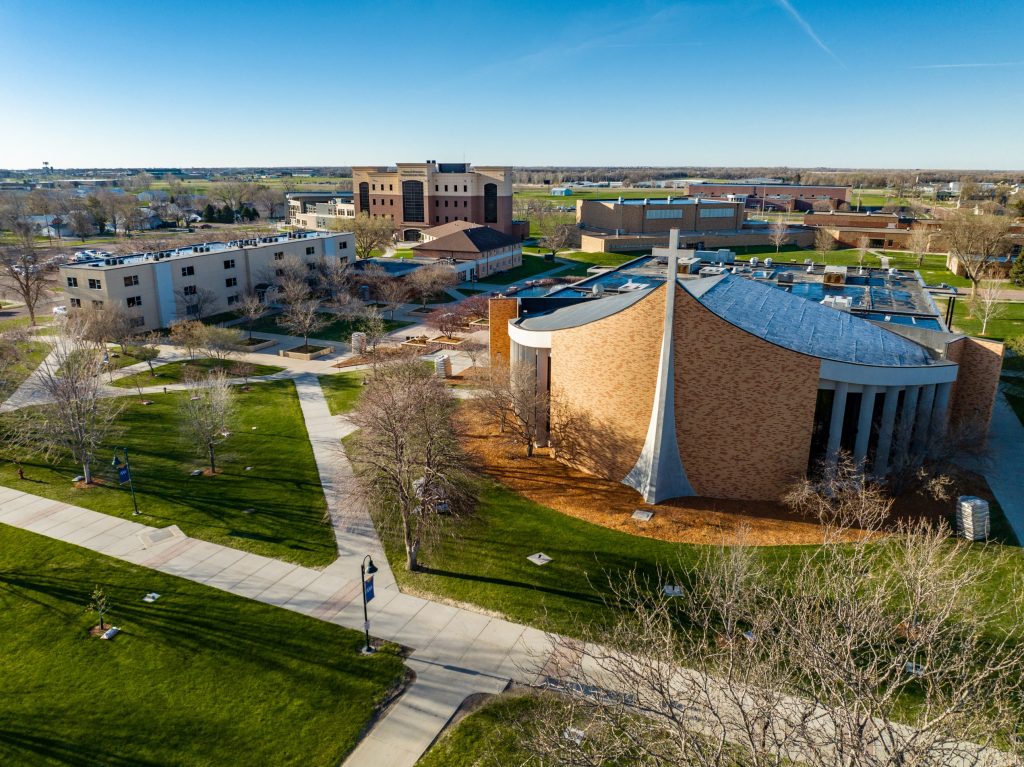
x=456 y=651
x=1004 y=469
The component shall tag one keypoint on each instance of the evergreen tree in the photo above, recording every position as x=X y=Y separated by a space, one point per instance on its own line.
x=209 y=213
x=1017 y=270
x=227 y=215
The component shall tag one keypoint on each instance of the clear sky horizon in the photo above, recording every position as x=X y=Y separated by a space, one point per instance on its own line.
x=874 y=84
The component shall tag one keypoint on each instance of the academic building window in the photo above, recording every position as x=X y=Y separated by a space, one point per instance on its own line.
x=188 y=271
x=490 y=203
x=188 y=290
x=310 y=250
x=230 y=282
x=134 y=301
x=446 y=187
x=465 y=203
x=279 y=255
x=412 y=200
x=131 y=280
x=391 y=201
x=72 y=282
x=391 y=187
x=446 y=203
x=465 y=188
x=76 y=303
x=95 y=285
x=364 y=196
x=229 y=263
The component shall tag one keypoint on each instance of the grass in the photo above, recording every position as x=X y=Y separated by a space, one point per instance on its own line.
x=335 y=330
x=1009 y=325
x=486 y=736
x=342 y=390
x=174 y=372
x=33 y=354
x=283 y=489
x=200 y=677
x=531 y=266
x=471 y=291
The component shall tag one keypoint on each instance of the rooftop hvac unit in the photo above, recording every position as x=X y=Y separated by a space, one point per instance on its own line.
x=808 y=262
x=972 y=518
x=754 y=261
x=768 y=263
x=597 y=290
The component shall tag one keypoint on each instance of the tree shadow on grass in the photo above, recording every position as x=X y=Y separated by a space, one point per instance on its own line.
x=30 y=743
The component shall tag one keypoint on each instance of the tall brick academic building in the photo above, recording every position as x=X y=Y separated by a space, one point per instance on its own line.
x=725 y=387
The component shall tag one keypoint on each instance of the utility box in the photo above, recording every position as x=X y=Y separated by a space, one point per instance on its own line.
x=972 y=518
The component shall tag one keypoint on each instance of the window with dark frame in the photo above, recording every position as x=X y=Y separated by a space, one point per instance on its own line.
x=95 y=285
x=131 y=280
x=230 y=282
x=188 y=271
x=72 y=282
x=229 y=263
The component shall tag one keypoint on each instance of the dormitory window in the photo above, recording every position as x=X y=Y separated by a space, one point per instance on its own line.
x=229 y=263
x=72 y=282
x=192 y=309
x=230 y=282
x=76 y=303
x=188 y=290
x=465 y=188
x=137 y=322
x=279 y=272
x=279 y=255
x=134 y=301
x=310 y=267
x=97 y=304
x=188 y=271
x=131 y=280
x=310 y=250
x=343 y=245
x=95 y=285
x=391 y=187
x=232 y=300
x=465 y=203
x=446 y=187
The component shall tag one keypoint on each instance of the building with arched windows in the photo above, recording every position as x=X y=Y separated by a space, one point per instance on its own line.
x=732 y=380
x=417 y=196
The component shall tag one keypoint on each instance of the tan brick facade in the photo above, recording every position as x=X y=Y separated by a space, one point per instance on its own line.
x=974 y=392
x=499 y=312
x=605 y=372
x=744 y=407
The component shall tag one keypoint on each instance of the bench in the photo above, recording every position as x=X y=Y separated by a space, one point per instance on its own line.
x=159 y=535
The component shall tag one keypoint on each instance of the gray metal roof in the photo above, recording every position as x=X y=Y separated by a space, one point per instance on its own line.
x=582 y=313
x=802 y=325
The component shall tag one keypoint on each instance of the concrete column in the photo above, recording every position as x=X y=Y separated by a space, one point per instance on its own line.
x=922 y=428
x=835 y=426
x=543 y=372
x=940 y=414
x=867 y=409
x=906 y=427
x=885 y=430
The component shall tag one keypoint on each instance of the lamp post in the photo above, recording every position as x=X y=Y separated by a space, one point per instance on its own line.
x=365 y=568
x=116 y=463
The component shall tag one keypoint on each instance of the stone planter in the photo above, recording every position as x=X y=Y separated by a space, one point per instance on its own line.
x=296 y=355
x=260 y=346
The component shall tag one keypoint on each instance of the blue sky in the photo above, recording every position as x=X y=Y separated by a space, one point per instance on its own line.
x=762 y=82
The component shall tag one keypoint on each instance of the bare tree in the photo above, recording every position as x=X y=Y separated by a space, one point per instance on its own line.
x=778 y=232
x=373 y=325
x=76 y=418
x=221 y=343
x=446 y=320
x=207 y=413
x=250 y=308
x=919 y=244
x=511 y=397
x=244 y=370
x=985 y=304
x=195 y=301
x=862 y=250
x=370 y=233
x=476 y=351
x=303 y=318
x=824 y=243
x=406 y=456
x=557 y=234
x=80 y=223
x=188 y=334
x=852 y=653
x=976 y=241
x=21 y=276
x=428 y=281
x=392 y=293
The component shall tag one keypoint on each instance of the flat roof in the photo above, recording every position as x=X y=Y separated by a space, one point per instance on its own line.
x=663 y=201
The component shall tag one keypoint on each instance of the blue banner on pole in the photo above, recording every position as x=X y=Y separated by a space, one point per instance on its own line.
x=123 y=475
x=368 y=588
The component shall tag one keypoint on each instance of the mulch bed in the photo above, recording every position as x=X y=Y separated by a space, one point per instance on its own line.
x=681 y=520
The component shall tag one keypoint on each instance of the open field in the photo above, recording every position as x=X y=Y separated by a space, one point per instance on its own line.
x=200 y=677
x=174 y=372
x=282 y=491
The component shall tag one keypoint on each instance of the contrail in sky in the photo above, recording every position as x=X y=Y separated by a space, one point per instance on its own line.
x=788 y=8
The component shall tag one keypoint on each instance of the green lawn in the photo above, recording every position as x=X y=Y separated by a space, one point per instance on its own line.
x=471 y=291
x=485 y=737
x=531 y=266
x=342 y=390
x=174 y=372
x=283 y=488
x=336 y=329
x=1008 y=325
x=486 y=564
x=199 y=677
x=34 y=353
